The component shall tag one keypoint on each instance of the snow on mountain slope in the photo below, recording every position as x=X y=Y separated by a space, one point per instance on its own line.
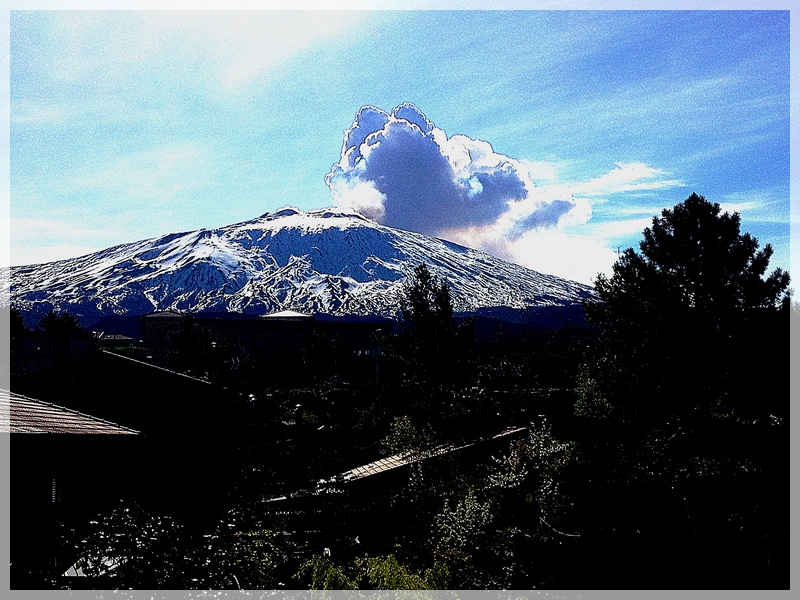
x=321 y=261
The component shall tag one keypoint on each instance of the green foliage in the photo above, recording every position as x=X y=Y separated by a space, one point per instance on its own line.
x=243 y=560
x=437 y=577
x=473 y=542
x=324 y=575
x=676 y=352
x=704 y=467
x=385 y=573
x=535 y=467
x=427 y=479
x=540 y=453
x=133 y=549
x=406 y=439
x=459 y=526
x=591 y=401
x=377 y=573
x=428 y=368
x=131 y=544
x=691 y=352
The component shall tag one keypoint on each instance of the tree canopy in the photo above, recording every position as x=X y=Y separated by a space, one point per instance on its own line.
x=693 y=305
x=434 y=345
x=59 y=323
x=427 y=303
x=693 y=256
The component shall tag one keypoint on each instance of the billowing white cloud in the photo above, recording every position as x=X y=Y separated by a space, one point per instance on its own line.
x=576 y=257
x=550 y=250
x=403 y=171
x=362 y=197
x=420 y=179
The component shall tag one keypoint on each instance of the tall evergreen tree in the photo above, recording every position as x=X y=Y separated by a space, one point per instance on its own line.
x=680 y=321
x=431 y=336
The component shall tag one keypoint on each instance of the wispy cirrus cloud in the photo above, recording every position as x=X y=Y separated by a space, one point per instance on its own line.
x=620 y=228
x=161 y=183
x=157 y=174
x=47 y=252
x=134 y=195
x=224 y=48
x=41 y=112
x=763 y=205
x=597 y=117
x=35 y=229
x=40 y=240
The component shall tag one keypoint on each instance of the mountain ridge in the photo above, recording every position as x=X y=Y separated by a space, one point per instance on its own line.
x=324 y=261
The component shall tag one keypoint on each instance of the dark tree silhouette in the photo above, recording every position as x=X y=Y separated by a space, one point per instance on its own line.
x=427 y=368
x=691 y=364
x=678 y=321
x=434 y=345
x=426 y=339
x=17 y=334
x=427 y=303
x=59 y=323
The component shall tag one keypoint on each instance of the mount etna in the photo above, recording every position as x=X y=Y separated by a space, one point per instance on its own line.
x=326 y=262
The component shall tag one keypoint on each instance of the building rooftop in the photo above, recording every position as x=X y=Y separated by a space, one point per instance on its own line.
x=288 y=315
x=19 y=414
x=392 y=462
x=115 y=337
x=400 y=460
x=161 y=314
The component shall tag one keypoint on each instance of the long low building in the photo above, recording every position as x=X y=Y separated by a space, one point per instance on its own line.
x=288 y=343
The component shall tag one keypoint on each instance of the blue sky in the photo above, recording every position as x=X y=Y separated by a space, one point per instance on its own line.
x=561 y=132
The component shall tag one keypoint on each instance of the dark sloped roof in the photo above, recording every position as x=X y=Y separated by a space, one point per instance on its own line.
x=19 y=414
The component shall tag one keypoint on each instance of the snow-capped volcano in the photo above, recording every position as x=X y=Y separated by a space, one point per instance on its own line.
x=321 y=261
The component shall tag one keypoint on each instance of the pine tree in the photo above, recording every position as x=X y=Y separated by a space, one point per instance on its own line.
x=680 y=322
